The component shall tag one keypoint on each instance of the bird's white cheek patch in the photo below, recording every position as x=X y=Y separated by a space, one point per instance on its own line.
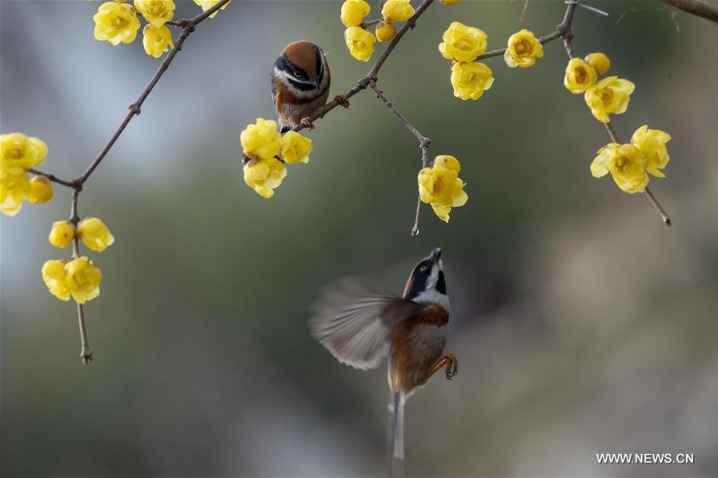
x=433 y=296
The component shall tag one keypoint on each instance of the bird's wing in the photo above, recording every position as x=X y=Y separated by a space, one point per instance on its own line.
x=353 y=321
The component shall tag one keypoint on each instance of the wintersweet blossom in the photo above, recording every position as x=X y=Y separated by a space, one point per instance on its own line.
x=580 y=76
x=207 y=4
x=470 y=80
x=116 y=22
x=462 y=42
x=523 y=49
x=295 y=148
x=261 y=139
x=384 y=31
x=54 y=276
x=652 y=142
x=62 y=234
x=360 y=43
x=627 y=165
x=599 y=61
x=354 y=12
x=441 y=187
x=156 y=12
x=609 y=96
x=264 y=175
x=397 y=11
x=18 y=153
x=83 y=279
x=156 y=40
x=41 y=190
x=95 y=234
x=14 y=190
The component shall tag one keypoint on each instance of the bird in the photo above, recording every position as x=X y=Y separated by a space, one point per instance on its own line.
x=360 y=324
x=300 y=84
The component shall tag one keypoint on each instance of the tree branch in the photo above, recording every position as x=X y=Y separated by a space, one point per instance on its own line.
x=188 y=27
x=699 y=8
x=363 y=83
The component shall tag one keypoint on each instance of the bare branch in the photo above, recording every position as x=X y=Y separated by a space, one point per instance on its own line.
x=699 y=8
x=188 y=27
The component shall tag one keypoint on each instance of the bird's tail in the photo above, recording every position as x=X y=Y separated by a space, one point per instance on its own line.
x=395 y=434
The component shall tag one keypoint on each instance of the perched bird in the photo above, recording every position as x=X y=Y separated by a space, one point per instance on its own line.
x=360 y=324
x=300 y=83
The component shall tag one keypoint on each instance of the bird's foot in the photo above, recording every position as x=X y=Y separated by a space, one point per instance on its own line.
x=343 y=100
x=307 y=122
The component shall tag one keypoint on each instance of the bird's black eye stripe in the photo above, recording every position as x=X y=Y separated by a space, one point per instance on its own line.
x=320 y=63
x=441 y=283
x=290 y=68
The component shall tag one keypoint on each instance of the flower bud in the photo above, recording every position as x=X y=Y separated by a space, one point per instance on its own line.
x=62 y=234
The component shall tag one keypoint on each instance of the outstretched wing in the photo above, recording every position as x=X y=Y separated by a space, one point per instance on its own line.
x=353 y=321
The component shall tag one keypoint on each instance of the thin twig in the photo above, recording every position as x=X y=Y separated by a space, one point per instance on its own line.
x=564 y=28
x=611 y=132
x=363 y=83
x=423 y=140
x=424 y=143
x=188 y=27
x=424 y=164
x=85 y=353
x=559 y=32
x=53 y=178
x=664 y=215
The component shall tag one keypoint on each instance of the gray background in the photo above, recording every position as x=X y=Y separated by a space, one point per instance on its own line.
x=581 y=323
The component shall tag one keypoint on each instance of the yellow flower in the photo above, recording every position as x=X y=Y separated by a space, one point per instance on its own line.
x=360 y=43
x=295 y=148
x=18 y=153
x=264 y=175
x=115 y=23
x=652 y=142
x=62 y=234
x=156 y=12
x=470 y=80
x=580 y=76
x=54 y=276
x=354 y=12
x=82 y=279
x=95 y=234
x=397 y=11
x=523 y=50
x=156 y=40
x=14 y=189
x=626 y=163
x=207 y=4
x=261 y=139
x=441 y=187
x=41 y=190
x=610 y=95
x=599 y=61
x=384 y=31
x=462 y=43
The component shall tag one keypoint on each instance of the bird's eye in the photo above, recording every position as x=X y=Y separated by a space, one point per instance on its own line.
x=423 y=269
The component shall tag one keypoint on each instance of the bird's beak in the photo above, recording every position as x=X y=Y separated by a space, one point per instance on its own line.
x=435 y=255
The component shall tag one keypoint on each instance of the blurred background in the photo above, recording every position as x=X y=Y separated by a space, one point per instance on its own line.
x=582 y=324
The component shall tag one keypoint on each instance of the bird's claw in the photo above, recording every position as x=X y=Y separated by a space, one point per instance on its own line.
x=342 y=100
x=307 y=122
x=452 y=366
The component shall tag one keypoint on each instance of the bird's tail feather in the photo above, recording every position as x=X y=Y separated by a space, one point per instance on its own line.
x=395 y=434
